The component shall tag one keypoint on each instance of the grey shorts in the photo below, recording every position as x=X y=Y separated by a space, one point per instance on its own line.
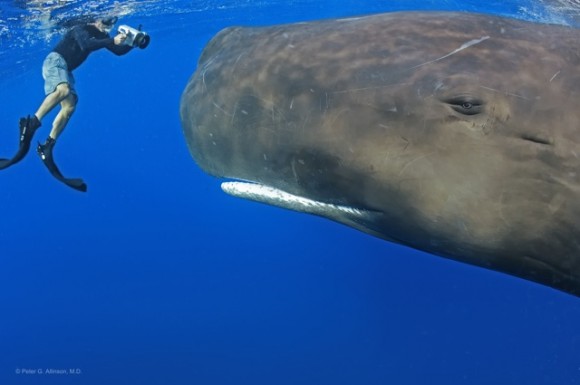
x=55 y=71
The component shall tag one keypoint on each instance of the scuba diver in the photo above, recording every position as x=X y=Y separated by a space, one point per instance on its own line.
x=69 y=53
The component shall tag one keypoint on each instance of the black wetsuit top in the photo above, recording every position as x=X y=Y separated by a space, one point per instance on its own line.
x=81 y=40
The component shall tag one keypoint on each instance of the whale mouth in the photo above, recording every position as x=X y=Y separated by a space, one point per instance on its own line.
x=273 y=196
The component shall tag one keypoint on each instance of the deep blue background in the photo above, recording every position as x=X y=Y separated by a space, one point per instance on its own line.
x=156 y=277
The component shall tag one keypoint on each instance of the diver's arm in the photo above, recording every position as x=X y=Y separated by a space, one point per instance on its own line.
x=117 y=47
x=89 y=43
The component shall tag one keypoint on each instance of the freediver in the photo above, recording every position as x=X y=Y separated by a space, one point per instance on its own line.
x=71 y=51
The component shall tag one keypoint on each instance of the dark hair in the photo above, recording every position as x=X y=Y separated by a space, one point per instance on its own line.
x=109 y=21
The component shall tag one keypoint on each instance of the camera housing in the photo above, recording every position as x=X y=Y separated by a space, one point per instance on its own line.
x=135 y=37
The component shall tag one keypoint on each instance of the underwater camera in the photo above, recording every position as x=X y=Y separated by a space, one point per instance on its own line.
x=135 y=37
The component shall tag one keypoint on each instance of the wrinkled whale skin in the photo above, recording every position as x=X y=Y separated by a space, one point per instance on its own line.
x=453 y=133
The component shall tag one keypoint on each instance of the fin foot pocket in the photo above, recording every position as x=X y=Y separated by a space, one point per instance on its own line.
x=45 y=153
x=28 y=127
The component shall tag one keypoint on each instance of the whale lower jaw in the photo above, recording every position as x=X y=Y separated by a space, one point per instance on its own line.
x=352 y=216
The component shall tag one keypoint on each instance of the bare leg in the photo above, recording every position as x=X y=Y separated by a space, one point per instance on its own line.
x=29 y=125
x=62 y=92
x=67 y=108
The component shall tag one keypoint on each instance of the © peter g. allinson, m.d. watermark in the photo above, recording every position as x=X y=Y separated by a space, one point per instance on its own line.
x=48 y=371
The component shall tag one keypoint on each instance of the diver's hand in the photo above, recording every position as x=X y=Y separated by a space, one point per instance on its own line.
x=120 y=39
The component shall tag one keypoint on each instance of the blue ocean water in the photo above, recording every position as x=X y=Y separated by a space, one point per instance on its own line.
x=156 y=277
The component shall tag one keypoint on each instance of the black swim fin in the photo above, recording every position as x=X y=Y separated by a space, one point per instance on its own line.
x=28 y=127
x=45 y=153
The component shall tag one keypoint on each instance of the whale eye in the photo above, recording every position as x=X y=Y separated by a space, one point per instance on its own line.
x=465 y=105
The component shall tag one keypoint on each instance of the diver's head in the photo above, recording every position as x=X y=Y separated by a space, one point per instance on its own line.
x=106 y=24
